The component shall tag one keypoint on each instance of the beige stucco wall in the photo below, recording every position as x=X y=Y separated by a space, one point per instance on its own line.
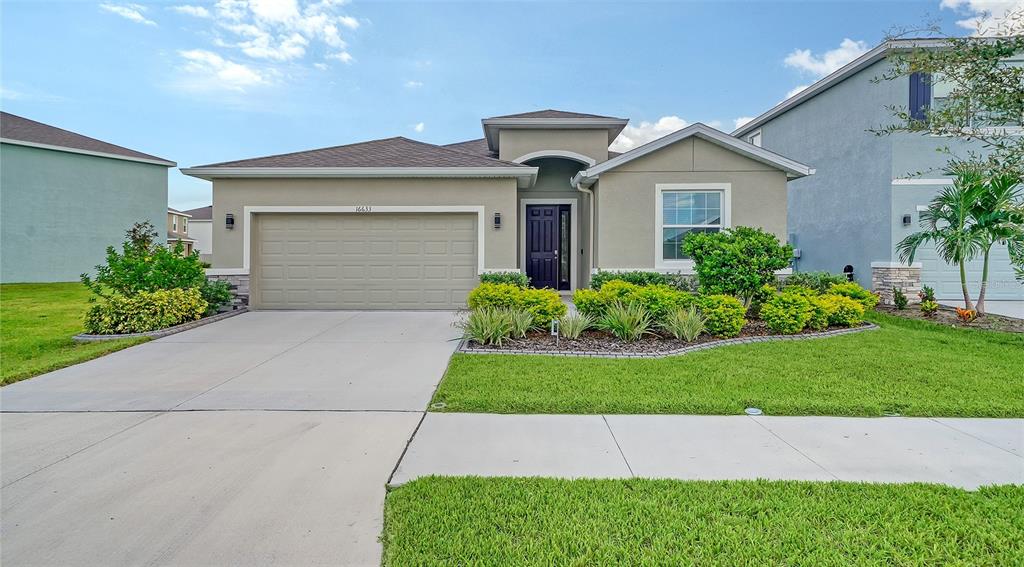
x=513 y=144
x=626 y=198
x=495 y=195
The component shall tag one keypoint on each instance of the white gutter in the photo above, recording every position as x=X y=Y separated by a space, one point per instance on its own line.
x=526 y=175
x=590 y=218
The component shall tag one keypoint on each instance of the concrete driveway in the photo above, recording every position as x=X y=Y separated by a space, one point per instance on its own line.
x=263 y=438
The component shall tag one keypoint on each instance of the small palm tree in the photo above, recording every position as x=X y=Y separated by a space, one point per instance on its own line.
x=997 y=218
x=947 y=223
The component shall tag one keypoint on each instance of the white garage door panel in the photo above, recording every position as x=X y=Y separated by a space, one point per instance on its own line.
x=946 y=279
x=365 y=261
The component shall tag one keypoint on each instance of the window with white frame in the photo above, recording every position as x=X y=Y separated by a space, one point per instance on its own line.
x=755 y=138
x=686 y=211
x=184 y=225
x=174 y=223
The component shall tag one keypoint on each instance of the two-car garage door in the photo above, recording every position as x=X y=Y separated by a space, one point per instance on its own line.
x=365 y=260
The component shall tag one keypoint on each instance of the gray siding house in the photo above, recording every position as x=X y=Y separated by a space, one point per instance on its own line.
x=65 y=197
x=868 y=190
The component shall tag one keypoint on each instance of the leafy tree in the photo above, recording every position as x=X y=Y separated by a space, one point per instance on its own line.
x=986 y=98
x=737 y=261
x=997 y=218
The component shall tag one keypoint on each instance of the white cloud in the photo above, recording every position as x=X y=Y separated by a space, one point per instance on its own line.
x=633 y=136
x=197 y=11
x=419 y=127
x=209 y=71
x=413 y=84
x=738 y=123
x=321 y=66
x=987 y=17
x=131 y=12
x=796 y=90
x=343 y=56
x=821 y=65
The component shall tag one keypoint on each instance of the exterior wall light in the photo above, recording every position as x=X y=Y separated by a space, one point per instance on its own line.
x=497 y=221
x=906 y=220
x=229 y=221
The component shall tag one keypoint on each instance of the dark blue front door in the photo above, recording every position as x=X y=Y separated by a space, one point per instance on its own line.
x=547 y=245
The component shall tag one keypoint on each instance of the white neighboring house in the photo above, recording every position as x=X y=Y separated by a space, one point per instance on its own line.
x=200 y=229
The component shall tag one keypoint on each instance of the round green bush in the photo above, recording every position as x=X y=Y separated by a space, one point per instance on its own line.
x=787 y=313
x=724 y=315
x=544 y=304
x=854 y=291
x=144 y=311
x=842 y=310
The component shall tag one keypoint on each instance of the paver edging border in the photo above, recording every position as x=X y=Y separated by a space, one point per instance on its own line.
x=675 y=352
x=87 y=338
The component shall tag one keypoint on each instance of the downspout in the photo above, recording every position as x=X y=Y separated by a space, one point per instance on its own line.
x=578 y=185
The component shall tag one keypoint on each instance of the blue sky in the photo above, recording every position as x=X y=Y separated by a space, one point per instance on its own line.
x=201 y=82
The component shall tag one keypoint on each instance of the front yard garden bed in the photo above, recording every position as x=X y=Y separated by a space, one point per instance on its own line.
x=597 y=343
x=947 y=316
x=912 y=368
x=537 y=521
x=89 y=338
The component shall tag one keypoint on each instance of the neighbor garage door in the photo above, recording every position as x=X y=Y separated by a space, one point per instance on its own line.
x=946 y=278
x=365 y=261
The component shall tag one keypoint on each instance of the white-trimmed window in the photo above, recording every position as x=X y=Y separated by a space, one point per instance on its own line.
x=174 y=223
x=686 y=208
x=184 y=225
x=754 y=138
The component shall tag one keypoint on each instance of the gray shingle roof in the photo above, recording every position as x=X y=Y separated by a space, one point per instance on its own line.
x=389 y=152
x=13 y=127
x=552 y=113
x=476 y=147
x=202 y=213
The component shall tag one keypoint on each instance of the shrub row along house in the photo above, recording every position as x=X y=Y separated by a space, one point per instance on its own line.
x=402 y=224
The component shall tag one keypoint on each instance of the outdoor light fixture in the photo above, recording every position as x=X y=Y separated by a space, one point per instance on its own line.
x=229 y=221
x=906 y=220
x=497 y=221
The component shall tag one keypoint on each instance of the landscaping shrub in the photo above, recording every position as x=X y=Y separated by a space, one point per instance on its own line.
x=723 y=315
x=543 y=304
x=842 y=311
x=659 y=300
x=818 y=281
x=618 y=289
x=684 y=324
x=590 y=302
x=854 y=291
x=927 y=293
x=572 y=325
x=598 y=280
x=521 y=322
x=682 y=282
x=145 y=266
x=787 y=313
x=820 y=312
x=929 y=307
x=736 y=261
x=627 y=321
x=515 y=278
x=144 y=311
x=487 y=325
x=899 y=299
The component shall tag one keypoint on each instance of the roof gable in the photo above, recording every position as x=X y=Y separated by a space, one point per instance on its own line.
x=553 y=114
x=792 y=168
x=18 y=130
x=202 y=213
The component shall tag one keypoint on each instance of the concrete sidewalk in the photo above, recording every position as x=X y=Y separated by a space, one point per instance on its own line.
x=961 y=452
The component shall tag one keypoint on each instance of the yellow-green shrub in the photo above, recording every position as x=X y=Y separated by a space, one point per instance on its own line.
x=787 y=313
x=842 y=310
x=145 y=311
x=723 y=314
x=590 y=302
x=656 y=300
x=854 y=291
x=544 y=304
x=820 y=311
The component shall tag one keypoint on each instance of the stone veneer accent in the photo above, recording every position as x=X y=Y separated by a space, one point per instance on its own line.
x=684 y=350
x=239 y=288
x=904 y=278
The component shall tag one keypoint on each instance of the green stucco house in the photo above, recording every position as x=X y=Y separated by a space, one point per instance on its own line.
x=65 y=197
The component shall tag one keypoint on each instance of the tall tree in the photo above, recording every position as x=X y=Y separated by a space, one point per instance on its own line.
x=997 y=218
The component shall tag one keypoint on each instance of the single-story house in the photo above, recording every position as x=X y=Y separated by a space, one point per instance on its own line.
x=869 y=191
x=200 y=229
x=178 y=231
x=402 y=224
x=66 y=197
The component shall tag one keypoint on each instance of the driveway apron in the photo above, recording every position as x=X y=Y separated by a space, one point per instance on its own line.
x=265 y=438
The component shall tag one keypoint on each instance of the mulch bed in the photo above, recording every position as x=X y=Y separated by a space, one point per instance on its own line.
x=947 y=316
x=603 y=342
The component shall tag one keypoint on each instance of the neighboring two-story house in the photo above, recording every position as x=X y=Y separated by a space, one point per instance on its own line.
x=200 y=230
x=177 y=231
x=402 y=224
x=66 y=197
x=867 y=194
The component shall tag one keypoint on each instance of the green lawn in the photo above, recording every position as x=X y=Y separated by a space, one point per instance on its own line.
x=906 y=367
x=516 y=521
x=37 y=322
